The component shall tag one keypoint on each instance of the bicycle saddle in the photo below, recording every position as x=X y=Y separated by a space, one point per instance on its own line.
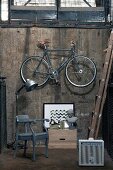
x=42 y=44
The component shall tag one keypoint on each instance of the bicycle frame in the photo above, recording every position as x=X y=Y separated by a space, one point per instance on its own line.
x=80 y=71
x=46 y=57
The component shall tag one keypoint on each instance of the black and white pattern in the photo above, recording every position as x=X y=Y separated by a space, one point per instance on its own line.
x=56 y=113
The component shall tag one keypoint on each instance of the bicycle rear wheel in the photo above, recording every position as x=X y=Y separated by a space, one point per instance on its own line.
x=81 y=71
x=35 y=68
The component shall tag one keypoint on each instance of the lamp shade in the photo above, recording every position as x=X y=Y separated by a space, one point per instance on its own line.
x=30 y=85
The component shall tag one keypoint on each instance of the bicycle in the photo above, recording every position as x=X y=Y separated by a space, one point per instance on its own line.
x=80 y=71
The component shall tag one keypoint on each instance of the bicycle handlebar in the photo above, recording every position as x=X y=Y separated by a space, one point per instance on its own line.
x=44 y=44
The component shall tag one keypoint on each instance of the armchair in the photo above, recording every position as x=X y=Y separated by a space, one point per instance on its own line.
x=26 y=131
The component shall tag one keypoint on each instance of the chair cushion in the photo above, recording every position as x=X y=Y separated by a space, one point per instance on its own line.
x=25 y=136
x=41 y=136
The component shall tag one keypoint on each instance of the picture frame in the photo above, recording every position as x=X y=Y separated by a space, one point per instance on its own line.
x=56 y=113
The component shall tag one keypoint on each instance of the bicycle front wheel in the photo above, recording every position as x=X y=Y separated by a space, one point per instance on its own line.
x=81 y=71
x=36 y=69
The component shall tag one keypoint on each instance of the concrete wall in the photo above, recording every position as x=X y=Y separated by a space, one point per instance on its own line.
x=18 y=43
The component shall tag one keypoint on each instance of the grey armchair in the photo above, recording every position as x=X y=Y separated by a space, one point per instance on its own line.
x=26 y=131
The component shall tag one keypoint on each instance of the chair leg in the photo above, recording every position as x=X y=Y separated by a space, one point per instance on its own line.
x=15 y=148
x=34 y=157
x=25 y=147
x=46 y=148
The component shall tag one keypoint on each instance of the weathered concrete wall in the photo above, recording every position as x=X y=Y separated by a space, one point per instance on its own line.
x=18 y=43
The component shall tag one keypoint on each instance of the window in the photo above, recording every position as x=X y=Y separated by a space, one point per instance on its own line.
x=78 y=3
x=34 y=2
x=4 y=10
x=56 y=13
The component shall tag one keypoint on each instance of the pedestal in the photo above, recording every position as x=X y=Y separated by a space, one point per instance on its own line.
x=62 y=138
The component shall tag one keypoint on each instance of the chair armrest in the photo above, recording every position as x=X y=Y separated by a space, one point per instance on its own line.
x=26 y=121
x=47 y=120
x=35 y=121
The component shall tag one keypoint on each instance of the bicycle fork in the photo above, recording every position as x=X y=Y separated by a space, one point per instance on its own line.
x=36 y=69
x=77 y=70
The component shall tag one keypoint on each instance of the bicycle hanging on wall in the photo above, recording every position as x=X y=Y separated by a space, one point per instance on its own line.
x=80 y=71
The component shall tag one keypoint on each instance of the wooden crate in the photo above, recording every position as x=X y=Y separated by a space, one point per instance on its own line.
x=62 y=138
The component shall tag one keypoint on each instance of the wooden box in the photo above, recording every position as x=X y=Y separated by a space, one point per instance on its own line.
x=62 y=138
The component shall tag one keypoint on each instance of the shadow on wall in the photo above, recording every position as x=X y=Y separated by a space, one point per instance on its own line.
x=22 y=102
x=79 y=91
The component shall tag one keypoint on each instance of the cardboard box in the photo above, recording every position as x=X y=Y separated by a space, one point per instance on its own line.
x=62 y=138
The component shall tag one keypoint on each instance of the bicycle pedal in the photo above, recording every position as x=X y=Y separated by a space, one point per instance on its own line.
x=52 y=82
x=58 y=83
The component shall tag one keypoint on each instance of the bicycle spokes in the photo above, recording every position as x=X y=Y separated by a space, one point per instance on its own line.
x=36 y=69
x=80 y=71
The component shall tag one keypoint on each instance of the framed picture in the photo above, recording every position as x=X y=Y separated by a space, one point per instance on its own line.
x=56 y=113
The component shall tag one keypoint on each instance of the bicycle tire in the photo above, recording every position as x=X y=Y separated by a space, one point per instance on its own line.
x=82 y=76
x=29 y=70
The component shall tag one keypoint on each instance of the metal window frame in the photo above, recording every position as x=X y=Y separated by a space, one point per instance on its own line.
x=25 y=16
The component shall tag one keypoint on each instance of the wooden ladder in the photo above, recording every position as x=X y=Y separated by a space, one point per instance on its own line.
x=101 y=96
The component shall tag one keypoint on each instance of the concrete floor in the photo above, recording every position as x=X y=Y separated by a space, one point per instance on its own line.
x=59 y=159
